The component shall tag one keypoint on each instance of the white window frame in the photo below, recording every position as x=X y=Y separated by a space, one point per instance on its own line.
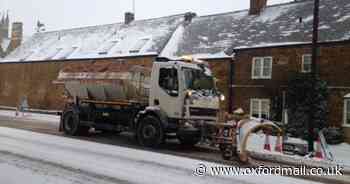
x=303 y=63
x=261 y=72
x=260 y=101
x=345 y=114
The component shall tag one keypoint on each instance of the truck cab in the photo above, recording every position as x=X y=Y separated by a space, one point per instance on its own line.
x=184 y=94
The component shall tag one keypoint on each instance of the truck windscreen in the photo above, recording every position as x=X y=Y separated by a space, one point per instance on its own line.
x=196 y=79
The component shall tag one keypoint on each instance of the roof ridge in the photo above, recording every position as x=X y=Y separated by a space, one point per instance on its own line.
x=247 y=9
x=109 y=24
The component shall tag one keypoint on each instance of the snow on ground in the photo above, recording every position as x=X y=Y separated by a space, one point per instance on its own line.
x=119 y=163
x=31 y=116
x=18 y=170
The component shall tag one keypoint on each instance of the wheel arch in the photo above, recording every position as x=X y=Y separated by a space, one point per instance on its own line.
x=152 y=111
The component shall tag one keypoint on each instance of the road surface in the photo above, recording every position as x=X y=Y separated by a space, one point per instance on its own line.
x=34 y=158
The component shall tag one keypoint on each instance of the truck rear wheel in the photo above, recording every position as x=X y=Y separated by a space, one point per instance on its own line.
x=150 y=132
x=71 y=125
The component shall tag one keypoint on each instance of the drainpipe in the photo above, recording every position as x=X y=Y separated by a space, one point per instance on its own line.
x=232 y=72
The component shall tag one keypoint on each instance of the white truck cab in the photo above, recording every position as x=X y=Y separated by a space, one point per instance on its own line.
x=184 y=92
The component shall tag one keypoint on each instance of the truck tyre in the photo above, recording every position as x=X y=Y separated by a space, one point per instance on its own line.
x=71 y=125
x=150 y=132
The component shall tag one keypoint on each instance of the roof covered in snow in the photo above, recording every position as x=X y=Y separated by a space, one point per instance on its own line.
x=212 y=36
x=141 y=37
x=289 y=23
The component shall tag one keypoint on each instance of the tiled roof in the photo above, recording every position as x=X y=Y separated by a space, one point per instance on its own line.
x=210 y=36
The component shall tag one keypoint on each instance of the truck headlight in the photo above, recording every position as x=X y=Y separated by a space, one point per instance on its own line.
x=222 y=97
x=189 y=97
x=189 y=93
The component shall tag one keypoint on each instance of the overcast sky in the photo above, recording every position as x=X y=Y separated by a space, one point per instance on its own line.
x=62 y=14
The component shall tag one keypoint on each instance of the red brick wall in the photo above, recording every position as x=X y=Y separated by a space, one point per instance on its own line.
x=334 y=67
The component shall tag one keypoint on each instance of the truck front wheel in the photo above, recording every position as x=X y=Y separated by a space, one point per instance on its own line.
x=150 y=132
x=71 y=125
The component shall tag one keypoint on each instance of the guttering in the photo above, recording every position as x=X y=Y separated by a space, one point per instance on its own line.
x=80 y=59
x=281 y=45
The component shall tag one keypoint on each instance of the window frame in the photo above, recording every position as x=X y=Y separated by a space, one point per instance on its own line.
x=170 y=91
x=261 y=71
x=303 y=63
x=345 y=113
x=260 y=102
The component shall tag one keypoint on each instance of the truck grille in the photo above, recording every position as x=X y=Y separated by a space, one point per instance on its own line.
x=203 y=112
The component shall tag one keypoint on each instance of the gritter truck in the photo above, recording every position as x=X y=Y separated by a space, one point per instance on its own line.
x=167 y=99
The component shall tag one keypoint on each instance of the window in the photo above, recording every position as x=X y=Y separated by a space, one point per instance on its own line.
x=107 y=47
x=139 y=45
x=347 y=112
x=260 y=108
x=262 y=68
x=306 y=63
x=168 y=80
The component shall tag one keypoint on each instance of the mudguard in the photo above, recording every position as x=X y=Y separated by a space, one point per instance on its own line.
x=154 y=111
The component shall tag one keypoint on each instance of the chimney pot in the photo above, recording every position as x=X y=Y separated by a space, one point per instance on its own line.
x=129 y=17
x=257 y=6
x=189 y=16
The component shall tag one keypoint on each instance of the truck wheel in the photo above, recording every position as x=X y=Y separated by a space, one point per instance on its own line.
x=71 y=125
x=150 y=132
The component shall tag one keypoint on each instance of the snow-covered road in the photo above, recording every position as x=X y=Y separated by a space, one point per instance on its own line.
x=16 y=169
x=41 y=159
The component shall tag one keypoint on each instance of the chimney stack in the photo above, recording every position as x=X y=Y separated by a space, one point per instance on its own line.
x=257 y=6
x=129 y=17
x=189 y=16
x=16 y=35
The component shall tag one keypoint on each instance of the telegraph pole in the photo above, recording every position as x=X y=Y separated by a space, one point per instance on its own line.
x=314 y=71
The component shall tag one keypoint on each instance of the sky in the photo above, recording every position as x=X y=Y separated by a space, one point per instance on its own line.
x=65 y=14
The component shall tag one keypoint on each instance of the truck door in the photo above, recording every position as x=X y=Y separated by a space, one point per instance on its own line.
x=168 y=94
